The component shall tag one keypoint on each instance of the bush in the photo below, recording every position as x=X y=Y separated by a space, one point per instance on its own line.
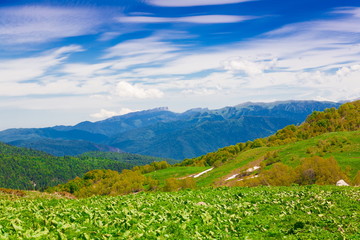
x=279 y=175
x=356 y=181
x=173 y=184
x=313 y=170
x=318 y=170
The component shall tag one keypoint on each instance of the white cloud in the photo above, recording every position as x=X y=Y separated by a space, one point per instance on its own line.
x=149 y=45
x=348 y=23
x=348 y=70
x=32 y=67
x=53 y=86
x=189 y=3
x=249 y=67
x=87 y=69
x=203 y=19
x=38 y=24
x=316 y=47
x=127 y=90
x=109 y=36
x=103 y=114
x=187 y=64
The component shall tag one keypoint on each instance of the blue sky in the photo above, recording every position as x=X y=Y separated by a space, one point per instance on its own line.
x=62 y=62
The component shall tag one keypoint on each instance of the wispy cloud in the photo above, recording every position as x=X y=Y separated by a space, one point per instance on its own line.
x=127 y=90
x=253 y=67
x=345 y=20
x=190 y=3
x=107 y=114
x=324 y=55
x=202 y=19
x=149 y=45
x=39 y=24
x=25 y=69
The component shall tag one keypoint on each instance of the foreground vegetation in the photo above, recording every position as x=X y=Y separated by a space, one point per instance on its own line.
x=310 y=212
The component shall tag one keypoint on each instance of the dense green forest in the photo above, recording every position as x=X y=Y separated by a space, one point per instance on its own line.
x=22 y=168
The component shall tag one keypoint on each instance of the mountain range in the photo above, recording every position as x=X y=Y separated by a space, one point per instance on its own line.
x=163 y=133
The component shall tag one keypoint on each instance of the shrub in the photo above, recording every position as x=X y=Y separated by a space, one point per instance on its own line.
x=318 y=170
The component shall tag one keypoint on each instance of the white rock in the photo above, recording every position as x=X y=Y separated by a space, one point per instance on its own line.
x=199 y=174
x=341 y=183
x=232 y=177
x=253 y=169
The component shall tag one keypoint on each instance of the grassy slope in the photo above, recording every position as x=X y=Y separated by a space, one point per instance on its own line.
x=290 y=154
x=348 y=155
x=175 y=172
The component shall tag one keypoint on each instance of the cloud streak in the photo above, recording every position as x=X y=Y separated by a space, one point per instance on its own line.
x=191 y=3
x=203 y=19
x=39 y=24
x=25 y=69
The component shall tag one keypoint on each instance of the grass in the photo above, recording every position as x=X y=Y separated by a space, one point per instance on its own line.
x=348 y=156
x=240 y=161
x=175 y=172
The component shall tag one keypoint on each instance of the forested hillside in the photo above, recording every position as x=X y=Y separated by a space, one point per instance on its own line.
x=134 y=159
x=22 y=168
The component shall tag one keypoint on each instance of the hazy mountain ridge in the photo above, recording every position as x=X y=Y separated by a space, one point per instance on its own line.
x=160 y=132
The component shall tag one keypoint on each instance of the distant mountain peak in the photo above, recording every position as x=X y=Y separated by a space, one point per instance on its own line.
x=197 y=110
x=158 y=109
